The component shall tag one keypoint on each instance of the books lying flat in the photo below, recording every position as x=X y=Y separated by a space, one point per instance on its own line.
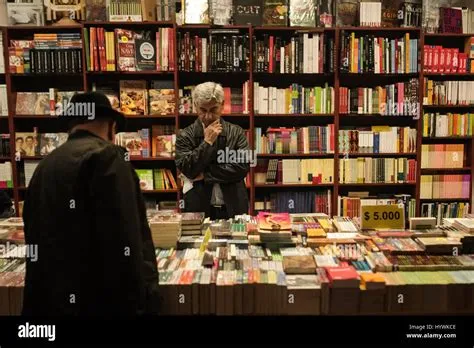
x=165 y=229
x=274 y=221
x=465 y=225
x=440 y=244
x=192 y=218
x=343 y=277
x=299 y=265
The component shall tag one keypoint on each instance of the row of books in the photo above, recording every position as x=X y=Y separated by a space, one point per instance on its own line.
x=120 y=11
x=236 y=100
x=448 y=92
x=447 y=60
x=377 y=170
x=378 y=55
x=303 y=53
x=135 y=98
x=223 y=50
x=295 y=171
x=442 y=156
x=156 y=179
x=127 y=50
x=159 y=143
x=441 y=211
x=394 y=99
x=445 y=186
x=49 y=103
x=25 y=170
x=350 y=206
x=312 y=139
x=38 y=144
x=295 y=202
x=438 y=125
x=378 y=139
x=46 y=53
x=296 y=99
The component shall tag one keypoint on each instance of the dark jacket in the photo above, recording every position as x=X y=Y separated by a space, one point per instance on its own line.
x=85 y=211
x=195 y=156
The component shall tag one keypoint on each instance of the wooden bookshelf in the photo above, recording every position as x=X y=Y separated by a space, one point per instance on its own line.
x=336 y=79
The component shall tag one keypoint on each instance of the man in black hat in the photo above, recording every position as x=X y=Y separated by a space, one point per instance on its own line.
x=85 y=212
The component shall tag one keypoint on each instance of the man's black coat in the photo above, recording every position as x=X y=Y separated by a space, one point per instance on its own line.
x=195 y=156
x=84 y=210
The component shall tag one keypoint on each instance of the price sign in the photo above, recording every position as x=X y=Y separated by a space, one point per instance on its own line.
x=382 y=216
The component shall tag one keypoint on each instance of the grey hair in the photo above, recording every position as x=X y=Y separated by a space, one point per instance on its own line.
x=208 y=91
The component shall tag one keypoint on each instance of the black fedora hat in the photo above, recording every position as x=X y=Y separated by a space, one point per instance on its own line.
x=90 y=106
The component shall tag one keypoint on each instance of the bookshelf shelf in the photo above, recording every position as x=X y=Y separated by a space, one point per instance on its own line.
x=383 y=154
x=428 y=74
x=384 y=75
x=161 y=191
x=429 y=170
x=293 y=115
x=30 y=158
x=437 y=35
x=313 y=75
x=444 y=199
x=223 y=115
x=381 y=29
x=208 y=26
x=131 y=117
x=286 y=28
x=151 y=159
x=446 y=138
x=376 y=115
x=36 y=116
x=119 y=73
x=5 y=158
x=291 y=185
x=449 y=106
x=378 y=184
x=127 y=24
x=43 y=28
x=48 y=75
x=295 y=155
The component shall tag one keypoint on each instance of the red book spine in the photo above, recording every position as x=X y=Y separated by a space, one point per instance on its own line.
x=444 y=64
x=197 y=53
x=455 y=59
x=425 y=57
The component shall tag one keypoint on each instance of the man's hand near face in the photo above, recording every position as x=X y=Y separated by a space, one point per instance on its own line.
x=212 y=132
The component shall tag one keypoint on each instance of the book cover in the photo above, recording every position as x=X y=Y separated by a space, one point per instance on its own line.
x=25 y=14
x=302 y=13
x=132 y=141
x=96 y=10
x=145 y=177
x=299 y=264
x=133 y=97
x=145 y=53
x=248 y=12
x=274 y=221
x=220 y=11
x=48 y=143
x=196 y=12
x=163 y=145
x=275 y=12
x=26 y=143
x=347 y=12
x=125 y=50
x=326 y=12
x=161 y=101
x=25 y=102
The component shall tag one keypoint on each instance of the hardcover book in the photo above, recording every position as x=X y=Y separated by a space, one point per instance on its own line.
x=303 y=13
x=274 y=221
x=145 y=53
x=326 y=11
x=133 y=97
x=347 y=12
x=299 y=264
x=248 y=12
x=220 y=11
x=145 y=177
x=96 y=10
x=196 y=12
x=275 y=12
x=125 y=50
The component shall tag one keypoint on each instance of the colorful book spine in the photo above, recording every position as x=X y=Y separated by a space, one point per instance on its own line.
x=445 y=186
x=376 y=170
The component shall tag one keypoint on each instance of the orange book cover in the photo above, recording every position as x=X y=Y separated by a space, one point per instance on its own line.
x=274 y=221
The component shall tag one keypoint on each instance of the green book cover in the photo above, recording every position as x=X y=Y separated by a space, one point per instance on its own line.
x=145 y=177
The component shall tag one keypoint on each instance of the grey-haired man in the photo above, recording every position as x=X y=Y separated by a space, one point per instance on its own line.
x=214 y=182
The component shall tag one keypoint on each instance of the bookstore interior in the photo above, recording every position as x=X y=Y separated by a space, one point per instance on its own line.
x=360 y=115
